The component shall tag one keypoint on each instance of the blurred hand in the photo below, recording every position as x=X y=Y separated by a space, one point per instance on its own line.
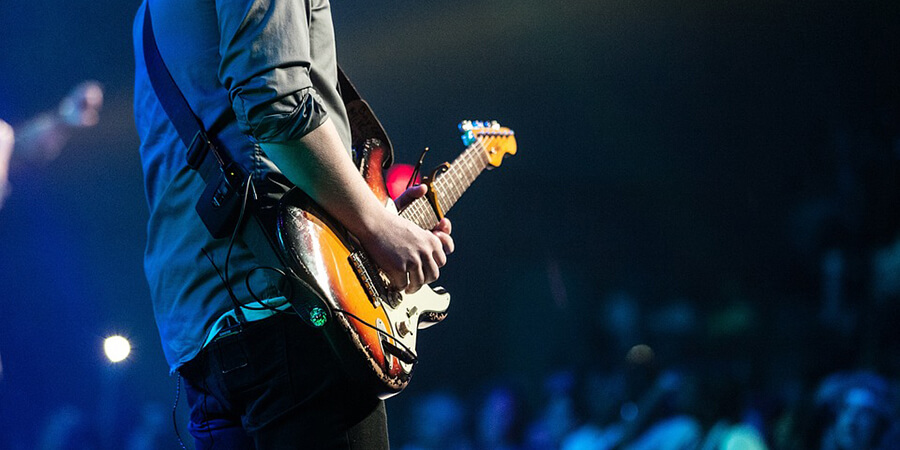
x=42 y=138
x=7 y=138
x=81 y=108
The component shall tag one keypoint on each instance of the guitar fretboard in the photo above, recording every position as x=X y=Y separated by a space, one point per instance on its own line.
x=449 y=186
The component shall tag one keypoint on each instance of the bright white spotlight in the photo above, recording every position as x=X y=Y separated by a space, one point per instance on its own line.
x=117 y=348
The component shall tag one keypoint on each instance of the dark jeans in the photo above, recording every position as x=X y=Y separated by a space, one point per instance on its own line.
x=278 y=385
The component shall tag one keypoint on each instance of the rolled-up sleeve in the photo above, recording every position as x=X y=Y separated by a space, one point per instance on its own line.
x=265 y=65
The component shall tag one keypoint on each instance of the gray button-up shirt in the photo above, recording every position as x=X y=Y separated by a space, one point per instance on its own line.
x=253 y=71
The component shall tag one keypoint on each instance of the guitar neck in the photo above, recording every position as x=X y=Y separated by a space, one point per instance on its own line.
x=449 y=186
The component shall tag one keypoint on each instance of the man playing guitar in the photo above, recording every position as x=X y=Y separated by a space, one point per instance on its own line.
x=261 y=76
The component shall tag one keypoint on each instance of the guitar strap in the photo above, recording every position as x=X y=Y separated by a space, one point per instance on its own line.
x=223 y=200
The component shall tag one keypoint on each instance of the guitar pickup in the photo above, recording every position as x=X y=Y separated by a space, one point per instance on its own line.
x=372 y=280
x=360 y=265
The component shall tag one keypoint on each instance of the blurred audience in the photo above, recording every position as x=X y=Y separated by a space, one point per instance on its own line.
x=68 y=428
x=500 y=420
x=438 y=423
x=153 y=428
x=860 y=411
x=850 y=411
x=737 y=371
x=557 y=417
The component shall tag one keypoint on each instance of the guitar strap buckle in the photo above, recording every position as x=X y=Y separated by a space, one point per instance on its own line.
x=198 y=150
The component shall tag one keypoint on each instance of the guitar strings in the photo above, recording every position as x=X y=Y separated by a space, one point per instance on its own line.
x=464 y=166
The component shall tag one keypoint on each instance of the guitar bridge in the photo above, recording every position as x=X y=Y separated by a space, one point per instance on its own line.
x=372 y=280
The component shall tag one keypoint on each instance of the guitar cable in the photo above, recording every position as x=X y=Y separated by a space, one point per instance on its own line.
x=226 y=279
x=175 y=408
x=409 y=351
x=417 y=169
x=237 y=304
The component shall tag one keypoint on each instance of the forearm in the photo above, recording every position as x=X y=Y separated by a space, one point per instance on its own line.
x=318 y=164
x=42 y=138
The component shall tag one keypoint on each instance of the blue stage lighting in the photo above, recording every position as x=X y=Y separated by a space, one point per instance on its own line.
x=116 y=348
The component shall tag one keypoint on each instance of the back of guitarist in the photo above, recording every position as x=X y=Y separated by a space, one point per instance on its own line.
x=261 y=76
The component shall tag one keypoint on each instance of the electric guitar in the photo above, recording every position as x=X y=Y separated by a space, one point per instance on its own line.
x=372 y=326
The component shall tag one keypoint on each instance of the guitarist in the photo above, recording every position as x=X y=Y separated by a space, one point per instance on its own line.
x=261 y=76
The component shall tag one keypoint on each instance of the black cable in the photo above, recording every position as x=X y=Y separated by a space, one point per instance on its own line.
x=408 y=350
x=221 y=277
x=417 y=169
x=247 y=187
x=205 y=411
x=226 y=280
x=238 y=306
x=264 y=306
x=175 y=408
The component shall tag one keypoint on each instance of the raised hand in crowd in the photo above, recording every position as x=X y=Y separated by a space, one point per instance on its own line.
x=42 y=138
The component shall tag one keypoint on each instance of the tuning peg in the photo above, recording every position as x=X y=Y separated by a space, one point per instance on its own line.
x=465 y=125
x=468 y=138
x=495 y=125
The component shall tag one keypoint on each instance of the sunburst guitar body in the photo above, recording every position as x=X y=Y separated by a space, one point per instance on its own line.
x=373 y=327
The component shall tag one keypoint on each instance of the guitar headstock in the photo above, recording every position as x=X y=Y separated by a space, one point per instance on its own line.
x=495 y=141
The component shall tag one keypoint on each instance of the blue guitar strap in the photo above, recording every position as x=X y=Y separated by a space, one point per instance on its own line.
x=189 y=128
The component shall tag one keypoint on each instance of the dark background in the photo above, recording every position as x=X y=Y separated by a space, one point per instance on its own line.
x=698 y=154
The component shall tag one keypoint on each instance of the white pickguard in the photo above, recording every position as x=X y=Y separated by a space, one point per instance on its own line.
x=406 y=320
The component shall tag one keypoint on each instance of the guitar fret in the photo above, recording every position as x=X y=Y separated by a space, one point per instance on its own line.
x=416 y=215
x=443 y=190
x=430 y=219
x=441 y=193
x=456 y=192
x=420 y=213
x=450 y=185
x=471 y=170
x=420 y=210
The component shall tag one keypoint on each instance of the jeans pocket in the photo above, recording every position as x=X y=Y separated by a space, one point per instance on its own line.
x=250 y=358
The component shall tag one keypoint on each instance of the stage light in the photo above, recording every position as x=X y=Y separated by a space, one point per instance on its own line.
x=397 y=178
x=116 y=348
